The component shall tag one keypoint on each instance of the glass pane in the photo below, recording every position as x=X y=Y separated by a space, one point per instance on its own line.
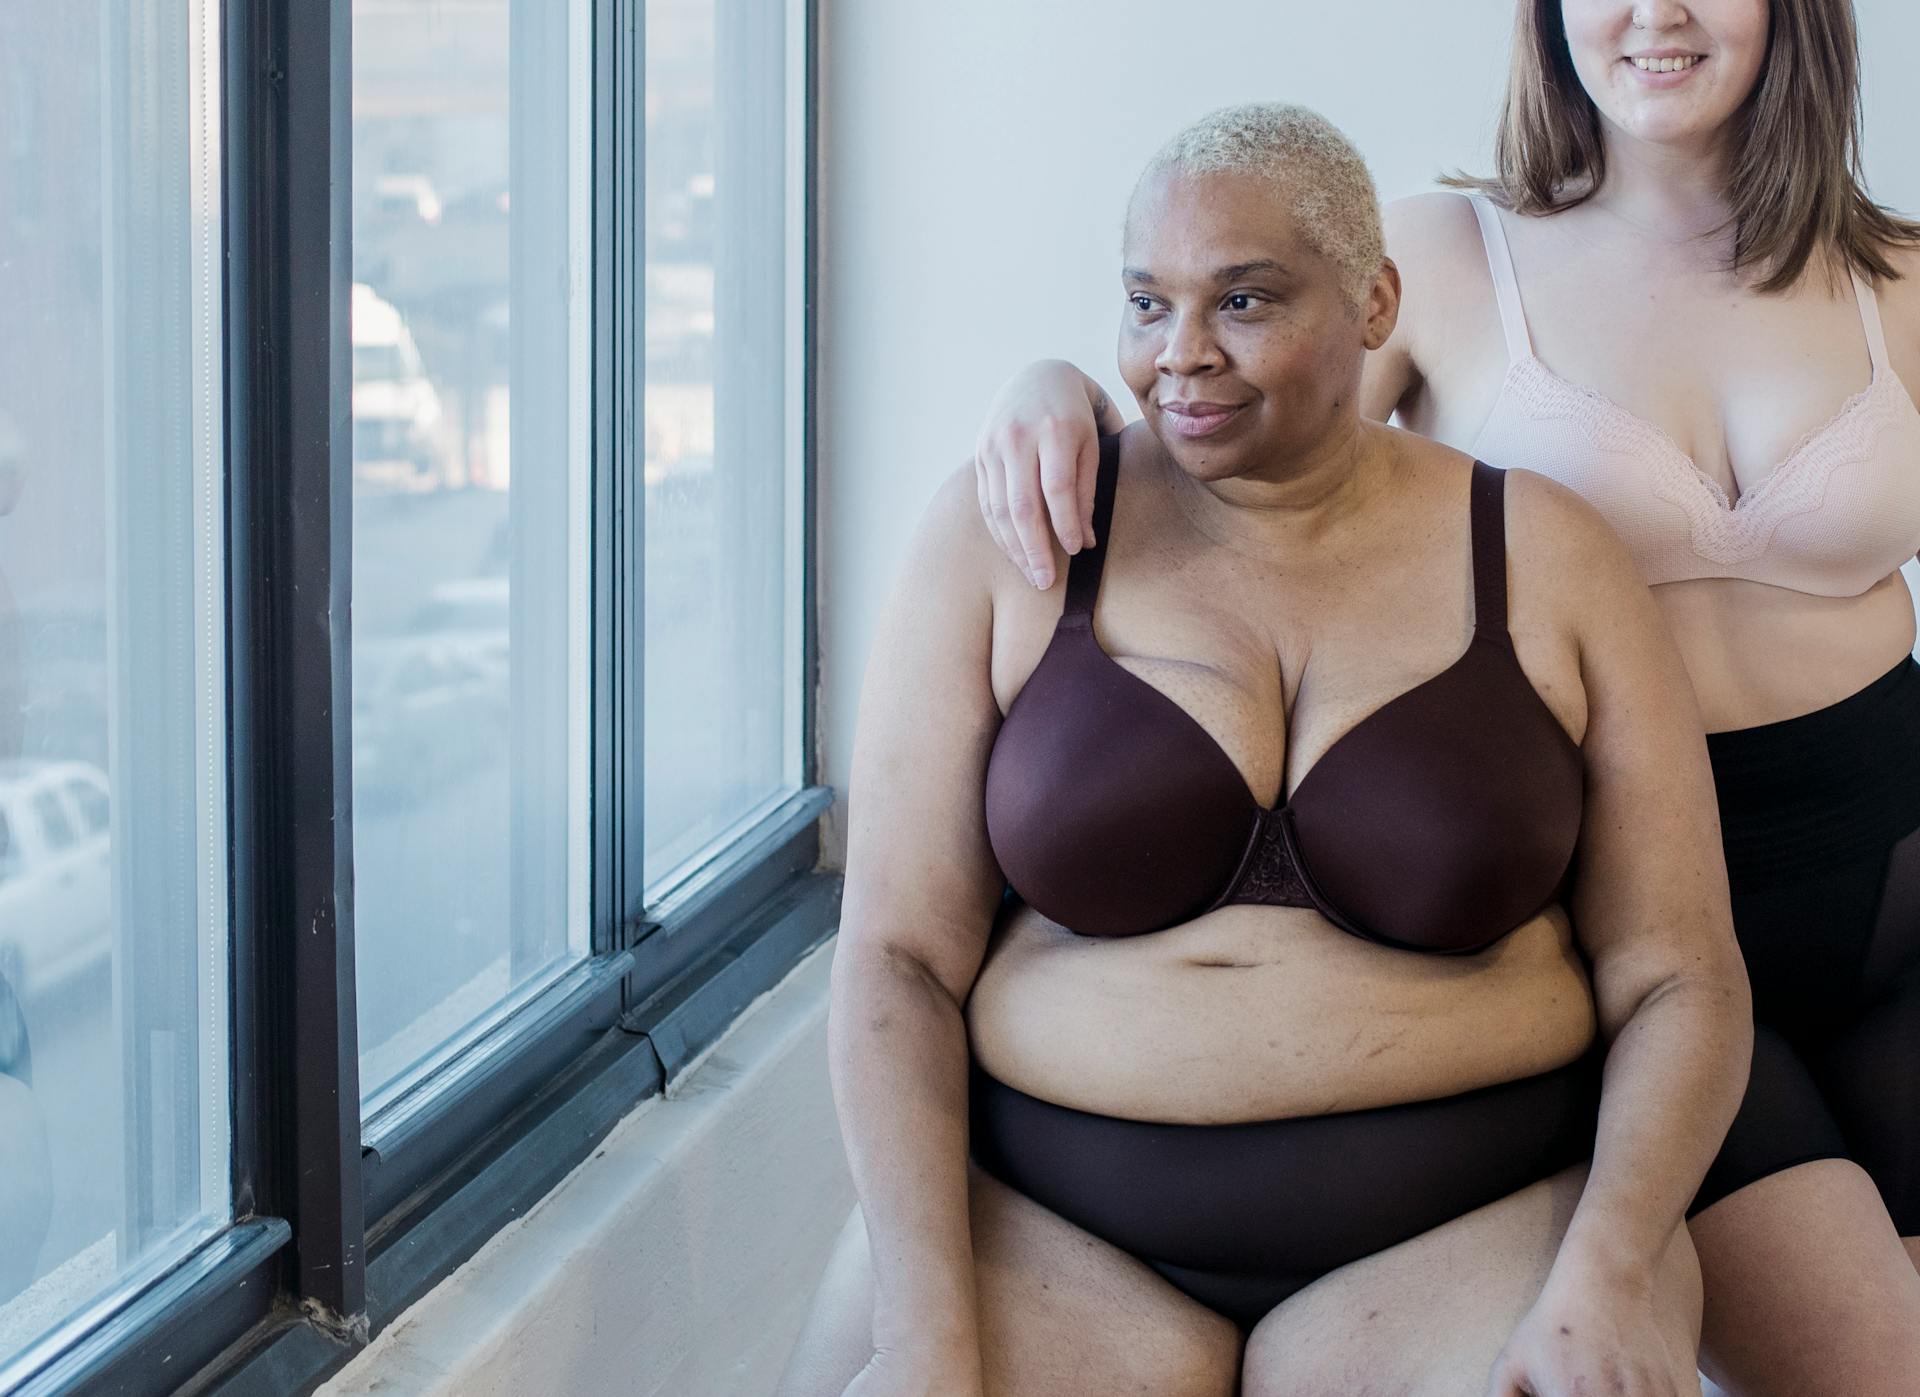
x=721 y=683
x=471 y=143
x=56 y=833
x=91 y=801
x=114 y=1095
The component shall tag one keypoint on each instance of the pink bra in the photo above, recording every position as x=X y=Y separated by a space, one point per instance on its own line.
x=1837 y=515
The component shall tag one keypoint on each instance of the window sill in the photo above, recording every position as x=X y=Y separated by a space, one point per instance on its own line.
x=687 y=1246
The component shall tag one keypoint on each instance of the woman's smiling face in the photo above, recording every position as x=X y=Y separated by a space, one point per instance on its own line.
x=1664 y=72
x=1238 y=340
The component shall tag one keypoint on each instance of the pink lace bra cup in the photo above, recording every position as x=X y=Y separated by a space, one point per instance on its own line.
x=1837 y=515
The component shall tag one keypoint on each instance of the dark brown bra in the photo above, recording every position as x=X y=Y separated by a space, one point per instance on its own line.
x=1443 y=820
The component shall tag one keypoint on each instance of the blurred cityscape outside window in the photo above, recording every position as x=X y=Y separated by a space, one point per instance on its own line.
x=472 y=145
x=722 y=455
x=471 y=349
x=114 y=1042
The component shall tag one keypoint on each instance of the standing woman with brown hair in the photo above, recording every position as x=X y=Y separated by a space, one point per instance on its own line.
x=1675 y=297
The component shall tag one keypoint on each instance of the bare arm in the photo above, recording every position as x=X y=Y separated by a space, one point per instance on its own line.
x=1447 y=316
x=1391 y=374
x=1650 y=910
x=922 y=887
x=1387 y=378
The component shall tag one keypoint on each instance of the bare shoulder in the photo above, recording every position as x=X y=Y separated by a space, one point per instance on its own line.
x=1447 y=300
x=1900 y=304
x=1562 y=545
x=1433 y=232
x=1548 y=525
x=956 y=581
x=952 y=543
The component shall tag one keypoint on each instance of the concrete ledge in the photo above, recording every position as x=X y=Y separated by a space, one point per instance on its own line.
x=678 y=1259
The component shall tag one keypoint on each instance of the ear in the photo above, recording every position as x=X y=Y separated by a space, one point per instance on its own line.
x=1382 y=306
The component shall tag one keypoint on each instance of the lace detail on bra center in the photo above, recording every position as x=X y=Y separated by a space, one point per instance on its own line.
x=1269 y=873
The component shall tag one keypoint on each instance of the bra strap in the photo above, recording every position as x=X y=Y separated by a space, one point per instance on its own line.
x=1489 y=525
x=1085 y=567
x=1506 y=286
x=1870 y=321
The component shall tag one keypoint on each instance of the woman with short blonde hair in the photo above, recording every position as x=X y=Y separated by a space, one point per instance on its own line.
x=1675 y=296
x=1358 y=1016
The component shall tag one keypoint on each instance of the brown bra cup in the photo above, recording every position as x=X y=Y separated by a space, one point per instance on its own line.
x=1443 y=820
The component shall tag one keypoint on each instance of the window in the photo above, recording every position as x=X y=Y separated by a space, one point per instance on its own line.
x=91 y=801
x=471 y=453
x=722 y=423
x=114 y=998
x=401 y=701
x=56 y=831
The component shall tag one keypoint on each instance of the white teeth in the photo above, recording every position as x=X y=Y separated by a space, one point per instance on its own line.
x=1666 y=65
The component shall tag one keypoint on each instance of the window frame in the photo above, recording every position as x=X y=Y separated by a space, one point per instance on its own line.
x=340 y=1223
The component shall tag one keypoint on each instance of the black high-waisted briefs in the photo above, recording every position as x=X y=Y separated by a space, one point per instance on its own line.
x=1820 y=818
x=1241 y=1216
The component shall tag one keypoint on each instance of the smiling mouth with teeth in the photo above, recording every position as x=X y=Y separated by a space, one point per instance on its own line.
x=1666 y=65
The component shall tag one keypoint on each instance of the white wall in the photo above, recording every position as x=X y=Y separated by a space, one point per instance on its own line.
x=975 y=159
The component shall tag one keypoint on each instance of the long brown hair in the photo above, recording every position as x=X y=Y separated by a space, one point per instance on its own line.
x=1796 y=186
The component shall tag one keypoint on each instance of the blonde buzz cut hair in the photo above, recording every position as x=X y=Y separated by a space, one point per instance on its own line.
x=1314 y=166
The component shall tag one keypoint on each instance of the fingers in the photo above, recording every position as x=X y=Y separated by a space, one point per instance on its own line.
x=1036 y=464
x=989 y=510
x=999 y=503
x=1086 y=481
x=1007 y=478
x=996 y=504
x=1026 y=509
x=1061 y=451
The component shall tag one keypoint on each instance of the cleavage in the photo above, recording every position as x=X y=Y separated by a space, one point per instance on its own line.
x=1257 y=731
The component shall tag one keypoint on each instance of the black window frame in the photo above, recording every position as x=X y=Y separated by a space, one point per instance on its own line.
x=338 y=1223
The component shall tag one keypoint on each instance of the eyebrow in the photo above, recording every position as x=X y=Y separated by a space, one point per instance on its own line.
x=1232 y=273
x=1242 y=269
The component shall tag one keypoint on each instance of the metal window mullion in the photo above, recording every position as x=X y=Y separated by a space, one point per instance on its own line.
x=809 y=677
x=627 y=351
x=613 y=23
x=299 y=463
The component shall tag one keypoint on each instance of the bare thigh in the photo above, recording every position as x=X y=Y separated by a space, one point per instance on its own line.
x=1429 y=1317
x=1808 y=1288
x=1062 y=1313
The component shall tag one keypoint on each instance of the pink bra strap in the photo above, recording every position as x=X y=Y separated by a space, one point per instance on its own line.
x=1870 y=321
x=1506 y=287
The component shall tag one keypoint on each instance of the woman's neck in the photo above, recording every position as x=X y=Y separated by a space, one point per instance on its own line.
x=1675 y=192
x=1273 y=511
